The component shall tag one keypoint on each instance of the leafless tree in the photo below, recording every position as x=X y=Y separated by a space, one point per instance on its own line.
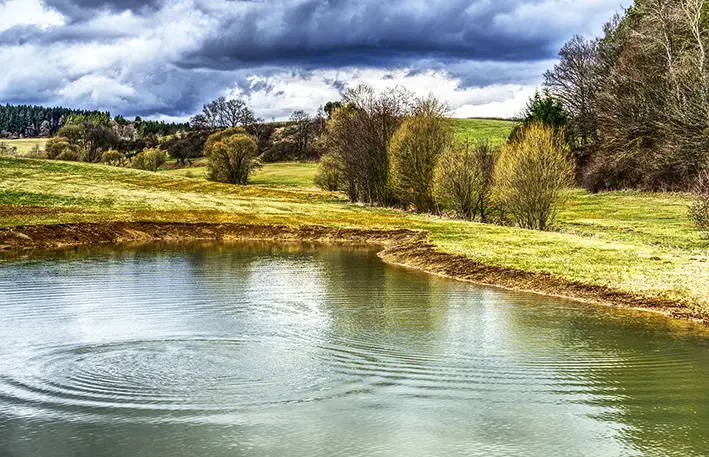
x=359 y=134
x=223 y=113
x=575 y=81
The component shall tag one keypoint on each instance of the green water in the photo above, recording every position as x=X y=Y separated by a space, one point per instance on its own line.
x=261 y=350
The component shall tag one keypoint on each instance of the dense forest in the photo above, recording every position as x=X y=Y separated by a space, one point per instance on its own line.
x=28 y=121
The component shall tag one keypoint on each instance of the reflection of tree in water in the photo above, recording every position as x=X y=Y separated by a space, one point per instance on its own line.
x=646 y=374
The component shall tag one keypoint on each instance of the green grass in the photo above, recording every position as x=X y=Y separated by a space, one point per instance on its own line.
x=284 y=174
x=25 y=145
x=629 y=241
x=496 y=131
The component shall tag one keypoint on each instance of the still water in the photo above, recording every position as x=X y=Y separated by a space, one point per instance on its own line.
x=263 y=350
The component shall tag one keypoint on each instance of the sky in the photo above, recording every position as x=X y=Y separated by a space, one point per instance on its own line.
x=163 y=59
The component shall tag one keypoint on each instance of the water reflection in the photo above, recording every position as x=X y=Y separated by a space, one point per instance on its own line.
x=262 y=349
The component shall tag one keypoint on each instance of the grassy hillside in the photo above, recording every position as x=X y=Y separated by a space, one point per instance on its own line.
x=474 y=129
x=26 y=144
x=631 y=242
x=284 y=174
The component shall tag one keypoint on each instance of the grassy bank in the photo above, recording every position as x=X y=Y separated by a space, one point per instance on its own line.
x=632 y=243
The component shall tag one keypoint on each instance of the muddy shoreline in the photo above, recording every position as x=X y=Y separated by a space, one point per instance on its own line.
x=400 y=247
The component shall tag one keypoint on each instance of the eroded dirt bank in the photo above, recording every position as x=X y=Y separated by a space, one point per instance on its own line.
x=401 y=247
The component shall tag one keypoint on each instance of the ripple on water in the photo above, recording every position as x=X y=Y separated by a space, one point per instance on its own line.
x=194 y=377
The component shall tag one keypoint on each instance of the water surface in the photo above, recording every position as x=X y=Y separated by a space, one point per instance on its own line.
x=262 y=350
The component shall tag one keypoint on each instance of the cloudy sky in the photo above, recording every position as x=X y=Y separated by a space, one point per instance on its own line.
x=164 y=58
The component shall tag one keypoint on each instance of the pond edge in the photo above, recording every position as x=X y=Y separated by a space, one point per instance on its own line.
x=406 y=248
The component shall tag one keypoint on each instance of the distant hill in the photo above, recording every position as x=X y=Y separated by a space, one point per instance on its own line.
x=473 y=129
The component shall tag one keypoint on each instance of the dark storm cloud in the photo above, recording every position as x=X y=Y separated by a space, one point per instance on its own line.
x=374 y=33
x=168 y=57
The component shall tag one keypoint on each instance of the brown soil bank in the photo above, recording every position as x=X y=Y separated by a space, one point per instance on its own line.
x=401 y=247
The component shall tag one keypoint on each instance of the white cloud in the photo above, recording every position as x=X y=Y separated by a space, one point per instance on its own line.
x=27 y=12
x=291 y=91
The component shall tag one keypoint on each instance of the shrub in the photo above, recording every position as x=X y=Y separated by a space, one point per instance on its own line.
x=532 y=175
x=699 y=211
x=186 y=147
x=231 y=158
x=113 y=157
x=70 y=155
x=464 y=179
x=60 y=146
x=6 y=150
x=35 y=153
x=414 y=152
x=149 y=159
x=330 y=175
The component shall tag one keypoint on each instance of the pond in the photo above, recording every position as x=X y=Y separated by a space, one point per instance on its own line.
x=294 y=350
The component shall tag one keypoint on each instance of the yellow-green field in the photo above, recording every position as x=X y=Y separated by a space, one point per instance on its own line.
x=496 y=131
x=630 y=242
x=24 y=146
x=283 y=174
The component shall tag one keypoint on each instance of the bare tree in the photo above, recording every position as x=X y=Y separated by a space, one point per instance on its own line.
x=532 y=176
x=223 y=113
x=358 y=135
x=575 y=81
x=303 y=132
x=464 y=179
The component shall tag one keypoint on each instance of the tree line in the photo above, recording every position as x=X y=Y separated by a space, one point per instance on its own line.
x=393 y=149
x=29 y=121
x=635 y=101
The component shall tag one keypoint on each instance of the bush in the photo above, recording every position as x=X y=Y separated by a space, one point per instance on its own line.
x=70 y=155
x=464 y=179
x=60 y=146
x=7 y=150
x=532 y=175
x=35 y=153
x=414 y=152
x=231 y=158
x=113 y=157
x=149 y=159
x=330 y=175
x=699 y=211
x=186 y=147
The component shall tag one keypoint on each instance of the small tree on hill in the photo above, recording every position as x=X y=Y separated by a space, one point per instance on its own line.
x=464 y=179
x=532 y=175
x=149 y=159
x=232 y=157
x=414 y=152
